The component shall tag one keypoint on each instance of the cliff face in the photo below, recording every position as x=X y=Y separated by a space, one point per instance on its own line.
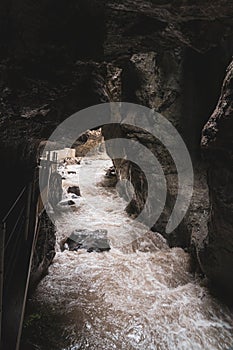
x=216 y=253
x=167 y=55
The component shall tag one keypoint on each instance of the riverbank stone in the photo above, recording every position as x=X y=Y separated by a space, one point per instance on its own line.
x=92 y=241
x=75 y=190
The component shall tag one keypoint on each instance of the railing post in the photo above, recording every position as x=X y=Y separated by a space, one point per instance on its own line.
x=56 y=158
x=2 y=246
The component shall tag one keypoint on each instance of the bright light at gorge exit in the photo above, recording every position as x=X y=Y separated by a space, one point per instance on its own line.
x=143 y=120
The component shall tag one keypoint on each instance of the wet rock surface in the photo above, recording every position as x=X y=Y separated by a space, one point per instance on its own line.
x=92 y=241
x=74 y=189
x=216 y=253
x=167 y=55
x=111 y=172
x=66 y=202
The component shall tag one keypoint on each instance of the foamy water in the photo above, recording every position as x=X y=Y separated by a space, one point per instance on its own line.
x=139 y=295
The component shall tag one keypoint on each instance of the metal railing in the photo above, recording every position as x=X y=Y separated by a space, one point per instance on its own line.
x=13 y=236
x=18 y=235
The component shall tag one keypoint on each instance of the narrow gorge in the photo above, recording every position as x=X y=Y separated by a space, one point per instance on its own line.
x=164 y=290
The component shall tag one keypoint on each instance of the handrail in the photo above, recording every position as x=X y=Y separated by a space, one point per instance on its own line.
x=17 y=220
x=23 y=190
x=13 y=230
x=26 y=287
x=14 y=204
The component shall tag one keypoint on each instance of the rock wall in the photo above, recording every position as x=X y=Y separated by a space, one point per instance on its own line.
x=183 y=83
x=171 y=83
x=58 y=58
x=216 y=252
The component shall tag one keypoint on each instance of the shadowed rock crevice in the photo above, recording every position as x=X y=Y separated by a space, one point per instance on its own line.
x=216 y=253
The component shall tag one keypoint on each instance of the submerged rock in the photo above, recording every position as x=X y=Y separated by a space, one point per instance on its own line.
x=111 y=172
x=86 y=239
x=71 y=161
x=66 y=202
x=74 y=196
x=75 y=190
x=110 y=178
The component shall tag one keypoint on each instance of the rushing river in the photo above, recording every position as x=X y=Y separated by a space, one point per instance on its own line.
x=139 y=295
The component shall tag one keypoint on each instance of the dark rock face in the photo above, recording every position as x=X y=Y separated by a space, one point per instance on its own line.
x=161 y=80
x=135 y=26
x=216 y=252
x=51 y=29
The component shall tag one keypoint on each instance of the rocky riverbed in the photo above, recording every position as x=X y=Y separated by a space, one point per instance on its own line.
x=138 y=295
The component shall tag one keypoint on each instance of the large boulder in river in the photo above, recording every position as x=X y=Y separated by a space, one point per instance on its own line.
x=86 y=239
